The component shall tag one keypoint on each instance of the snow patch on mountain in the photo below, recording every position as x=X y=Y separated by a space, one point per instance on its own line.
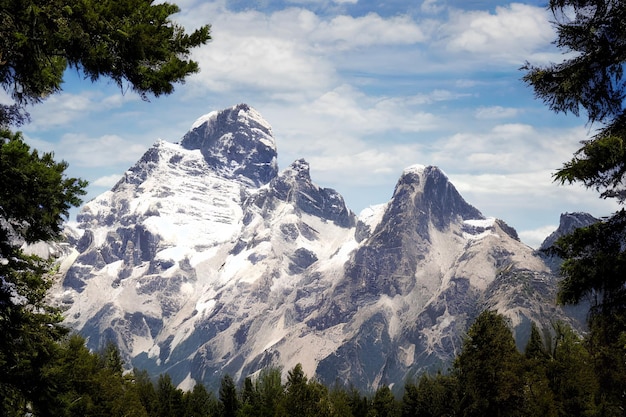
x=204 y=260
x=475 y=229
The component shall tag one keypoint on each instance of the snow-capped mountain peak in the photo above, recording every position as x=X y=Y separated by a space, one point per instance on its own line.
x=204 y=260
x=237 y=143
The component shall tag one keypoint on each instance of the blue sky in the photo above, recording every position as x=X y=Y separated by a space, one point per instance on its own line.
x=361 y=89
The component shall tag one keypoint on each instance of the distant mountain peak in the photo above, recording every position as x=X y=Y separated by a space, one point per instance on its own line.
x=205 y=260
x=237 y=143
x=568 y=222
x=294 y=186
x=299 y=169
x=432 y=196
x=417 y=169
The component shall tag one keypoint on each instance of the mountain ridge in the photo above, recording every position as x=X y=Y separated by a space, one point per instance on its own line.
x=206 y=259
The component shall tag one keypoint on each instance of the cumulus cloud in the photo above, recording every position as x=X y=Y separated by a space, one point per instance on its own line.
x=107 y=150
x=65 y=108
x=514 y=33
x=508 y=148
x=347 y=32
x=353 y=110
x=251 y=52
x=107 y=181
x=535 y=237
x=288 y=54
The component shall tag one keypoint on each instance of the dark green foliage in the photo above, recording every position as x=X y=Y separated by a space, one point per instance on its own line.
x=339 y=403
x=384 y=403
x=359 y=405
x=34 y=196
x=571 y=374
x=82 y=383
x=594 y=263
x=600 y=163
x=228 y=397
x=536 y=348
x=145 y=391
x=270 y=391
x=489 y=369
x=432 y=396
x=304 y=398
x=170 y=398
x=199 y=402
x=298 y=397
x=606 y=344
x=594 y=267
x=593 y=78
x=132 y=42
x=538 y=396
x=553 y=378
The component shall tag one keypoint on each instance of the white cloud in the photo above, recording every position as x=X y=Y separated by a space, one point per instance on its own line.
x=495 y=112
x=535 y=237
x=515 y=33
x=350 y=109
x=108 y=150
x=107 y=181
x=366 y=166
x=508 y=148
x=347 y=32
x=432 y=6
x=250 y=52
x=288 y=54
x=65 y=108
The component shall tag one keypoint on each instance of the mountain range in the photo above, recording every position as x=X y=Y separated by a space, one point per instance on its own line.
x=206 y=259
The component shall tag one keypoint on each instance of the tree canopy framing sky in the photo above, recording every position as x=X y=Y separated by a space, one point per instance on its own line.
x=360 y=89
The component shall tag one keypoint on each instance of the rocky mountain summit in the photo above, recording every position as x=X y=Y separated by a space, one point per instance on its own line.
x=204 y=259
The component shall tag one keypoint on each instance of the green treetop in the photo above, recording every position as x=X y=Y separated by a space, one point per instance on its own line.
x=591 y=80
x=132 y=42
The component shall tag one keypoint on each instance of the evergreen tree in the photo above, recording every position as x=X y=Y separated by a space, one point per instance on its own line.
x=35 y=195
x=571 y=375
x=270 y=391
x=384 y=403
x=146 y=393
x=297 y=396
x=170 y=398
x=538 y=396
x=199 y=402
x=489 y=369
x=593 y=34
x=359 y=404
x=339 y=402
x=303 y=397
x=250 y=399
x=433 y=396
x=228 y=397
x=133 y=42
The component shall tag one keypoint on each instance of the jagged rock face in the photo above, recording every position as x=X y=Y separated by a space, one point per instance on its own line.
x=204 y=259
x=423 y=198
x=567 y=224
x=237 y=142
x=294 y=186
x=415 y=284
